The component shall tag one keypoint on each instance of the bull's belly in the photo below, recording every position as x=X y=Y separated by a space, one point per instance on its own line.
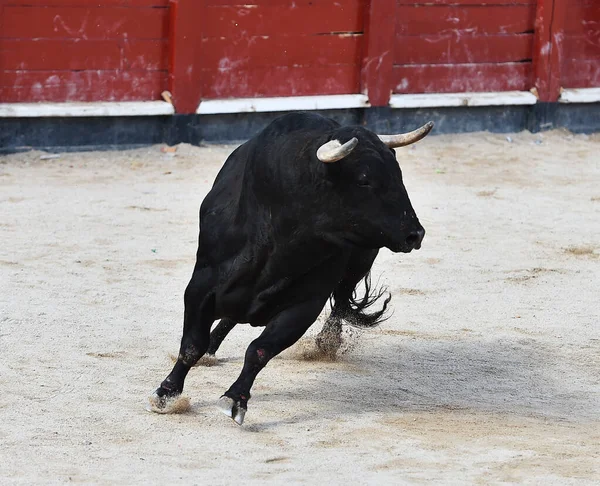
x=257 y=306
x=258 y=302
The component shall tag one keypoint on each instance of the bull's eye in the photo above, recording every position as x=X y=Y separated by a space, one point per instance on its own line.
x=363 y=180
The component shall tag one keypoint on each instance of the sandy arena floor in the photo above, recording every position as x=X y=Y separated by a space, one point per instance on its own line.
x=488 y=371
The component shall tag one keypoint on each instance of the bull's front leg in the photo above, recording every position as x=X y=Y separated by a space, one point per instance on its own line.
x=281 y=333
x=198 y=319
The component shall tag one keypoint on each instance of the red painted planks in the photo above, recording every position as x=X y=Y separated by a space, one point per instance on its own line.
x=83 y=3
x=581 y=73
x=280 y=81
x=466 y=2
x=466 y=20
x=582 y=47
x=59 y=55
x=85 y=23
x=278 y=3
x=150 y=55
x=458 y=78
x=376 y=75
x=555 y=58
x=280 y=51
x=449 y=49
x=36 y=86
x=318 y=18
x=542 y=46
x=185 y=63
x=582 y=19
x=82 y=55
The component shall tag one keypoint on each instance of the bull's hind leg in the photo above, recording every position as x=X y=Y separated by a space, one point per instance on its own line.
x=197 y=321
x=329 y=339
x=283 y=331
x=218 y=334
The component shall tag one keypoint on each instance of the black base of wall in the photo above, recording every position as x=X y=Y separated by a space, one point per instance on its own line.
x=60 y=134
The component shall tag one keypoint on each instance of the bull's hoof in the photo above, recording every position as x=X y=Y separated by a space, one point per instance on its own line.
x=166 y=404
x=232 y=409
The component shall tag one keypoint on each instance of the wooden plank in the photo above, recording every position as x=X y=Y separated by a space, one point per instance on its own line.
x=279 y=81
x=581 y=47
x=114 y=85
x=465 y=20
x=275 y=3
x=315 y=18
x=466 y=2
x=82 y=3
x=85 y=23
x=376 y=72
x=221 y=53
x=450 y=49
x=187 y=25
x=582 y=19
x=77 y=109
x=542 y=45
x=457 y=78
x=60 y=54
x=580 y=73
x=150 y=55
x=557 y=36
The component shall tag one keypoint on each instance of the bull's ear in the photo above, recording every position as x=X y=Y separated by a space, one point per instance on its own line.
x=402 y=139
x=333 y=150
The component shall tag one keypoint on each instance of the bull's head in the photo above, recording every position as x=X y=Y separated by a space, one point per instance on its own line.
x=368 y=179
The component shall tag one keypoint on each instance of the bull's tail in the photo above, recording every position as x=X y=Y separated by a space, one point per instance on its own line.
x=353 y=309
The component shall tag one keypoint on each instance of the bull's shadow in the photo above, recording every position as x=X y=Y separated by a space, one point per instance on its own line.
x=522 y=376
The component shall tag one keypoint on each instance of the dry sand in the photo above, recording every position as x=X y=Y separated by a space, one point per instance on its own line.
x=487 y=372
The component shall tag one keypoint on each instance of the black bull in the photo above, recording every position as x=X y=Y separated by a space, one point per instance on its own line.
x=296 y=216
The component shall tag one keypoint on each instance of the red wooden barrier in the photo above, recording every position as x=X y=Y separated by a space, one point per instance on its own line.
x=268 y=48
x=187 y=23
x=379 y=58
x=578 y=43
x=463 y=45
x=125 y=50
x=69 y=50
x=541 y=49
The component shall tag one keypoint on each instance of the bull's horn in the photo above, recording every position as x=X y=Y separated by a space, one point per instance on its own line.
x=333 y=150
x=402 y=139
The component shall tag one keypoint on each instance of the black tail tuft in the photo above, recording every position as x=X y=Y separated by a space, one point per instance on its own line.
x=352 y=311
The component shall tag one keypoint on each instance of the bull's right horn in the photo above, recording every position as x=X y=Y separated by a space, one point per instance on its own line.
x=333 y=150
x=402 y=139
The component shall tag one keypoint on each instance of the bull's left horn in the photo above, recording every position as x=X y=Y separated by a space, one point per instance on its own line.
x=333 y=150
x=402 y=139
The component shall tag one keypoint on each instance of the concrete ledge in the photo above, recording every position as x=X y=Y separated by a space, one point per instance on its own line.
x=583 y=95
x=114 y=132
x=441 y=100
x=80 y=109
x=288 y=103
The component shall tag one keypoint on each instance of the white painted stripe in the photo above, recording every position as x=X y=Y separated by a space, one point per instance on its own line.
x=121 y=108
x=436 y=100
x=287 y=103
x=582 y=95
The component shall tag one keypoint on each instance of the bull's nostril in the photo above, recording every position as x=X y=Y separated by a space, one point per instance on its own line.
x=414 y=239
